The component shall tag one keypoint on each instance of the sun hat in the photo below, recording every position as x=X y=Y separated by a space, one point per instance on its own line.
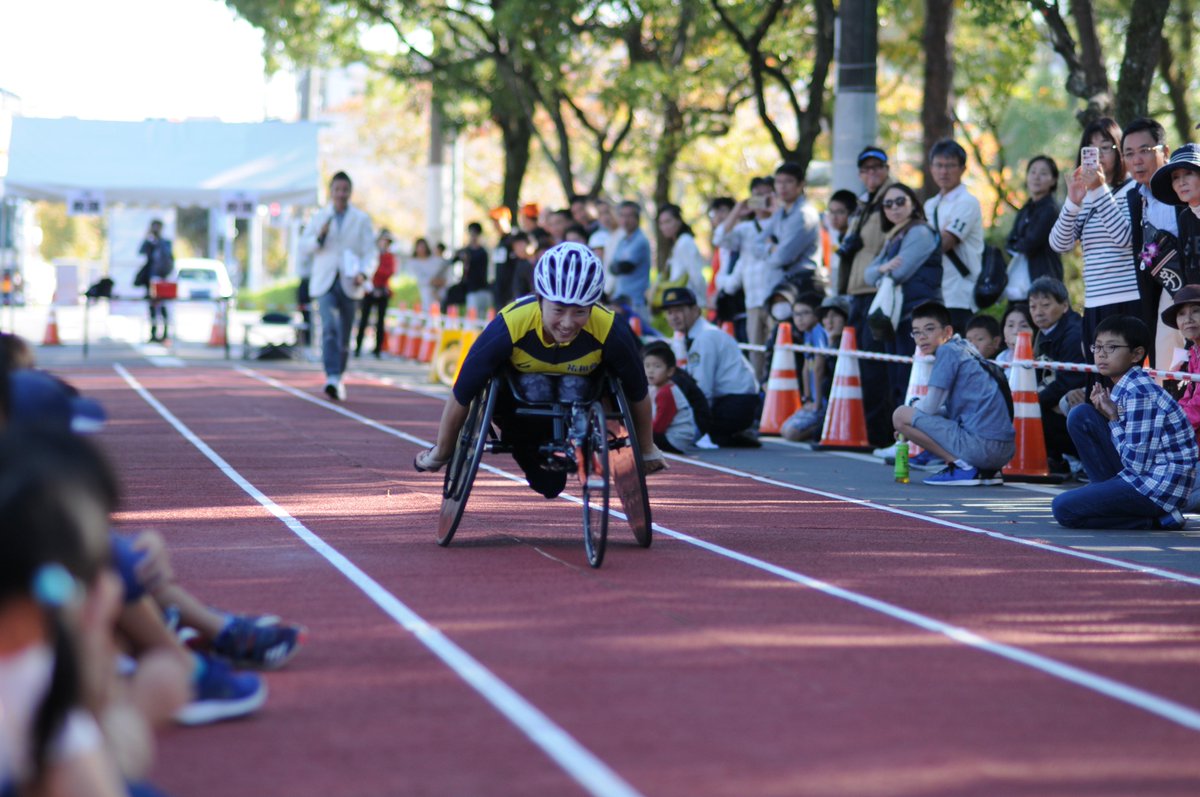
x=1188 y=294
x=1186 y=157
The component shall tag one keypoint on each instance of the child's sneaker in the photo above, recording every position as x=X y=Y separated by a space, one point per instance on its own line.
x=954 y=476
x=221 y=694
x=925 y=461
x=258 y=642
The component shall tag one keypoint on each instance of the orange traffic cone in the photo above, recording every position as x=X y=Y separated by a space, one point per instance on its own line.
x=845 y=420
x=416 y=334
x=635 y=323
x=783 y=389
x=429 y=341
x=399 y=333
x=918 y=387
x=1030 y=460
x=728 y=329
x=679 y=346
x=217 y=337
x=51 y=337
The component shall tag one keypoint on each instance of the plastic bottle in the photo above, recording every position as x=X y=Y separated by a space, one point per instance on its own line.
x=901 y=469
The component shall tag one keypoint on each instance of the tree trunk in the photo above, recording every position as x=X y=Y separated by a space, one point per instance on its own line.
x=516 y=133
x=669 y=145
x=936 y=111
x=1175 y=75
x=1141 y=58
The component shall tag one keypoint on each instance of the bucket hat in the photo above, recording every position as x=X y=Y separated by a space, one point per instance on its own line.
x=1188 y=294
x=1186 y=157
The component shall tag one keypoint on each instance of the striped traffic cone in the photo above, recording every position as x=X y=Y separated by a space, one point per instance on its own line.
x=416 y=334
x=51 y=337
x=783 y=389
x=429 y=340
x=399 y=333
x=845 y=420
x=1029 y=463
x=216 y=338
x=918 y=388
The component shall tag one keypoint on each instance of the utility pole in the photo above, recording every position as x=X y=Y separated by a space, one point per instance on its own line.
x=855 y=115
x=435 y=226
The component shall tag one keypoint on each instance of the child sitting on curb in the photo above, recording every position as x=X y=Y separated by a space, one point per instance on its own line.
x=964 y=419
x=673 y=422
x=1135 y=442
x=805 y=423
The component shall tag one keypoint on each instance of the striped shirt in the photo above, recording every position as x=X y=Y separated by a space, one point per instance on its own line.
x=1102 y=226
x=1155 y=441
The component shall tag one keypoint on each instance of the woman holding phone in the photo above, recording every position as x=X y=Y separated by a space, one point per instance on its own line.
x=1090 y=217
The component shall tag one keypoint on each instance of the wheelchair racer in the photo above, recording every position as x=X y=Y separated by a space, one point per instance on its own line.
x=559 y=330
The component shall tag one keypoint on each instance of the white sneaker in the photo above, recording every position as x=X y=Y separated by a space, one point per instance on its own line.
x=886 y=453
x=706 y=443
x=341 y=390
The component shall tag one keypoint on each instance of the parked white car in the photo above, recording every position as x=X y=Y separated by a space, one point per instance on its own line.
x=202 y=278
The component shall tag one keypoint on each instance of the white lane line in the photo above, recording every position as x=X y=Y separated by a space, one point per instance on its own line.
x=577 y=761
x=1116 y=690
x=1156 y=572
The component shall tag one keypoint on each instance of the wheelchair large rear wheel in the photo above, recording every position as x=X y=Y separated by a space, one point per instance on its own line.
x=594 y=477
x=628 y=472
x=464 y=464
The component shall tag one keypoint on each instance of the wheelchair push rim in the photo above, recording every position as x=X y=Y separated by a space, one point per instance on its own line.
x=628 y=471
x=464 y=464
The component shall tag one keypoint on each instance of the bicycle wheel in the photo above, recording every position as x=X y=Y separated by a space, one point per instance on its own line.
x=461 y=470
x=594 y=484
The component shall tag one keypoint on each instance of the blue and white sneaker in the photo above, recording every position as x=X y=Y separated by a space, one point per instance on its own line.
x=263 y=643
x=220 y=693
x=925 y=461
x=954 y=476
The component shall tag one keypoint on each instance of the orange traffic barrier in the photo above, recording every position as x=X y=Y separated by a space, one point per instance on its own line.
x=845 y=419
x=918 y=387
x=429 y=339
x=51 y=337
x=783 y=389
x=679 y=346
x=216 y=338
x=1030 y=459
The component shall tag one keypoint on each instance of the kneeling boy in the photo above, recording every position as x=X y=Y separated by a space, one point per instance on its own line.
x=1135 y=442
x=964 y=419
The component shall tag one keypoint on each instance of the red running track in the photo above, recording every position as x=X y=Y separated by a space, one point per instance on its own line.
x=685 y=672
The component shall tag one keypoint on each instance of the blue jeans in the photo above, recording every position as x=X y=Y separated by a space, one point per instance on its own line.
x=337 y=321
x=1108 y=502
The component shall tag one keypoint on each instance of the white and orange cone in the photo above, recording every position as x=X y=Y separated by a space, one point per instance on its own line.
x=1030 y=459
x=51 y=337
x=783 y=388
x=845 y=419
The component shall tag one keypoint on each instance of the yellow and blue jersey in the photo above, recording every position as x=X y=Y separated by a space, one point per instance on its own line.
x=517 y=337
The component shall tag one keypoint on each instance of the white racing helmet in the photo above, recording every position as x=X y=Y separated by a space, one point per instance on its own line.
x=569 y=273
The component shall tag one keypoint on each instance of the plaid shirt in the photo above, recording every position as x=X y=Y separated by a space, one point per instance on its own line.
x=1154 y=440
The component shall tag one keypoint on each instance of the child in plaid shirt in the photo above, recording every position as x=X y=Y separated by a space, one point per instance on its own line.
x=1136 y=443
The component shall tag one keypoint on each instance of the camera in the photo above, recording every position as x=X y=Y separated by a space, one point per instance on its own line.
x=851 y=245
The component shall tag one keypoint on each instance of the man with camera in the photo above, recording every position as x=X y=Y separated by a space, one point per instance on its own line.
x=738 y=234
x=631 y=260
x=862 y=244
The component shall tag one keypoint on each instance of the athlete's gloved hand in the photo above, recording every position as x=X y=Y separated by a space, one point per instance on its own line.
x=653 y=460
x=426 y=462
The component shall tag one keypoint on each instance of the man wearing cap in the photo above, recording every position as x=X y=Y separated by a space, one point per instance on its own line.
x=723 y=374
x=790 y=241
x=861 y=245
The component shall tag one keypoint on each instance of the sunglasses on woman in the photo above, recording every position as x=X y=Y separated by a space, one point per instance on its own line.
x=898 y=202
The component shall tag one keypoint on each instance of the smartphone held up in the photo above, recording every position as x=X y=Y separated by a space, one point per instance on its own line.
x=1089 y=158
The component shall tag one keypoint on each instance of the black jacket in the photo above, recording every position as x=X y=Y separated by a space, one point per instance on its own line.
x=1148 y=287
x=1064 y=345
x=1031 y=237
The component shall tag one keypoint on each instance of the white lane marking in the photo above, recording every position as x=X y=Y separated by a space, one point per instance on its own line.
x=577 y=761
x=1130 y=695
x=1157 y=572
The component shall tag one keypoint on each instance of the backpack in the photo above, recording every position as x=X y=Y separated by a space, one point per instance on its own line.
x=993 y=278
x=695 y=396
x=1000 y=378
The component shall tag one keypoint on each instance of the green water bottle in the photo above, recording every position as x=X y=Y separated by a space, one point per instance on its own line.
x=901 y=469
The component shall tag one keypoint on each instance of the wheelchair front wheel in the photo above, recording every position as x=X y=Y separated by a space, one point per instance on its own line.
x=594 y=478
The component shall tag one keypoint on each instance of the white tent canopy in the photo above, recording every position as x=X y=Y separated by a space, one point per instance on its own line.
x=163 y=163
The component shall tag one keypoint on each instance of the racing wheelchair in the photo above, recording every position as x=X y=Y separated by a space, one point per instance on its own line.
x=592 y=436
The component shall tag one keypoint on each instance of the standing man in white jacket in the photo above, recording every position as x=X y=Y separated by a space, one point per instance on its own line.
x=342 y=243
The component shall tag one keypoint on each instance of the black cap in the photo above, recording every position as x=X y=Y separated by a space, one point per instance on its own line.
x=872 y=152
x=678 y=297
